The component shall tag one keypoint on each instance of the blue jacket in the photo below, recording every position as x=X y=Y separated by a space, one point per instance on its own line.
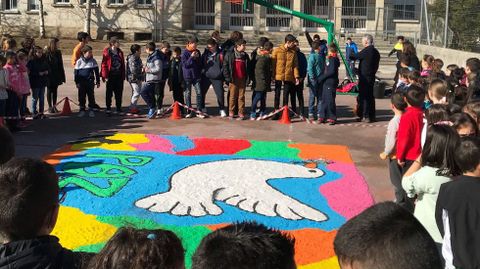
x=349 y=49
x=316 y=66
x=302 y=64
x=192 y=67
x=330 y=77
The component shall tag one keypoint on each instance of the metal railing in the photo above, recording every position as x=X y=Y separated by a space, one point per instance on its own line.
x=204 y=14
x=241 y=19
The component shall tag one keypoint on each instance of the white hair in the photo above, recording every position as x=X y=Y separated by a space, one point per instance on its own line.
x=368 y=38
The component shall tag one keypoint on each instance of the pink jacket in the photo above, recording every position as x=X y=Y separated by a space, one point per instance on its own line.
x=18 y=81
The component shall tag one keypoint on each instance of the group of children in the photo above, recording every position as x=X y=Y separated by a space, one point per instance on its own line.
x=433 y=149
x=383 y=236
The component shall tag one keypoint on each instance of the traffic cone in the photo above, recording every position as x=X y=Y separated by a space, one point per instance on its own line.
x=285 y=116
x=176 y=113
x=66 y=107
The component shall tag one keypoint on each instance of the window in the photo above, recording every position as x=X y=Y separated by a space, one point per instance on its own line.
x=115 y=2
x=84 y=2
x=62 y=2
x=10 y=5
x=404 y=12
x=32 y=5
x=144 y=2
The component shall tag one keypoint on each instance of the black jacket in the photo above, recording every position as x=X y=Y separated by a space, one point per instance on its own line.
x=43 y=252
x=330 y=77
x=369 y=62
x=228 y=65
x=56 y=73
x=263 y=73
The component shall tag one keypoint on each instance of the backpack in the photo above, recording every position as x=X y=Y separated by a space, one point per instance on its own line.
x=347 y=86
x=214 y=70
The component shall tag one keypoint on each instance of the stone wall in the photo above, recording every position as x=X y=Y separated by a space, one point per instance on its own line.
x=449 y=56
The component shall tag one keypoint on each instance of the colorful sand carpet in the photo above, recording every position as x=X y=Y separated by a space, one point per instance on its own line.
x=195 y=185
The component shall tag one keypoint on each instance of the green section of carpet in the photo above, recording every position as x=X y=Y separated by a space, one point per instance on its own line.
x=263 y=149
x=190 y=236
x=91 y=248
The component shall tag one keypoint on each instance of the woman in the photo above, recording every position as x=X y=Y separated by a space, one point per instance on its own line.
x=56 y=73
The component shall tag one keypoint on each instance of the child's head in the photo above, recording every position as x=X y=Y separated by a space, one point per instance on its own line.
x=83 y=37
x=404 y=60
x=262 y=40
x=132 y=248
x=267 y=46
x=136 y=49
x=236 y=35
x=403 y=74
x=385 y=236
x=215 y=34
x=87 y=52
x=22 y=57
x=473 y=109
x=398 y=102
x=471 y=78
x=464 y=124
x=7 y=144
x=349 y=40
x=114 y=42
x=29 y=199
x=439 y=149
x=450 y=69
x=401 y=38
x=467 y=155
x=28 y=42
x=316 y=37
x=240 y=45
x=38 y=52
x=454 y=109
x=332 y=48
x=212 y=45
x=409 y=48
x=472 y=66
x=414 y=77
x=244 y=246
x=415 y=96
x=11 y=57
x=438 y=65
x=150 y=47
x=177 y=52
x=10 y=44
x=437 y=91
x=316 y=46
x=427 y=62
x=165 y=47
x=290 y=41
x=437 y=113
x=192 y=42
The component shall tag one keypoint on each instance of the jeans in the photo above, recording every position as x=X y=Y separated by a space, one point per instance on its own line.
x=38 y=96
x=259 y=96
x=314 y=101
x=288 y=89
x=86 y=90
x=218 y=88
x=187 y=93
x=23 y=105
x=328 y=108
x=136 y=88
x=160 y=93
x=52 y=95
x=148 y=94
x=114 y=86
x=366 y=100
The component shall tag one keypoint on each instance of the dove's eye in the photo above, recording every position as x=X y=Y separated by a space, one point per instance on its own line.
x=312 y=171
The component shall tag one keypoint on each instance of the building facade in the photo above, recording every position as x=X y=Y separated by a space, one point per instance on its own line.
x=144 y=19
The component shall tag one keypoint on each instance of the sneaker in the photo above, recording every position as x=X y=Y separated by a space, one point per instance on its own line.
x=321 y=120
x=223 y=114
x=43 y=116
x=51 y=110
x=311 y=117
x=96 y=106
x=204 y=110
x=151 y=114
x=134 y=110
x=331 y=122
x=241 y=117
x=253 y=116
x=109 y=112
x=91 y=114
x=159 y=112
x=189 y=115
x=81 y=114
x=37 y=116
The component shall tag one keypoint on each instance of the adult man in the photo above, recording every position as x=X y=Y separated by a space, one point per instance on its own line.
x=369 y=59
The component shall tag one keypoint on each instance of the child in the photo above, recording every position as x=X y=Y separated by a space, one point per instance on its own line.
x=165 y=55
x=7 y=146
x=329 y=80
x=192 y=67
x=398 y=106
x=135 y=75
x=132 y=248
x=245 y=245
x=473 y=109
x=438 y=91
x=212 y=60
x=86 y=76
x=13 y=91
x=24 y=83
x=427 y=65
x=175 y=79
x=437 y=69
x=56 y=75
x=263 y=78
x=351 y=48
x=29 y=204
x=302 y=72
x=424 y=178
x=113 y=72
x=316 y=67
x=38 y=75
x=458 y=209
x=410 y=128
x=385 y=236
x=235 y=70
x=398 y=48
x=405 y=62
x=4 y=85
x=153 y=76
x=414 y=78
x=464 y=124
x=450 y=69
x=83 y=39
x=403 y=83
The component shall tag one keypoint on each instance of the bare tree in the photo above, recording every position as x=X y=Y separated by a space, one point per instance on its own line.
x=42 y=18
x=88 y=15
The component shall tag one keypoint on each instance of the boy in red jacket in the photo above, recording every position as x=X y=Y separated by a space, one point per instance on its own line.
x=113 y=72
x=410 y=129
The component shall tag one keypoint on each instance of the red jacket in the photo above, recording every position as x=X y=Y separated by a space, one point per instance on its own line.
x=409 y=145
x=107 y=63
